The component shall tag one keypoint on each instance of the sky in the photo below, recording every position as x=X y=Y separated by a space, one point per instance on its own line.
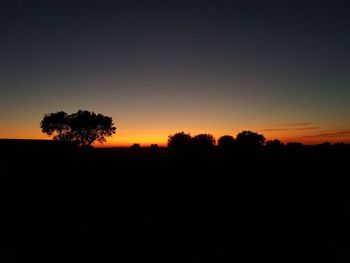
x=280 y=68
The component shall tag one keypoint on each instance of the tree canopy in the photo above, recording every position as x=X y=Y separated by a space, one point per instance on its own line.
x=226 y=142
x=250 y=140
x=179 y=141
x=82 y=128
x=203 y=142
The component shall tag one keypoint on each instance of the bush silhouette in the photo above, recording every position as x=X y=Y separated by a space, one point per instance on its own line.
x=135 y=146
x=326 y=146
x=294 y=146
x=274 y=145
x=226 y=142
x=154 y=146
x=81 y=128
x=250 y=140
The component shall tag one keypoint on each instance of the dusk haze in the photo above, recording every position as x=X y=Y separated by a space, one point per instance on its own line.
x=280 y=68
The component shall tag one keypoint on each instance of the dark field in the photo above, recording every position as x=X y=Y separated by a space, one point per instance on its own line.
x=61 y=204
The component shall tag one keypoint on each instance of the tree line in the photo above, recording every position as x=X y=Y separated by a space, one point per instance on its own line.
x=85 y=127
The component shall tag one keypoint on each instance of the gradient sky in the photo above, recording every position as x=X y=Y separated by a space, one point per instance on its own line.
x=158 y=67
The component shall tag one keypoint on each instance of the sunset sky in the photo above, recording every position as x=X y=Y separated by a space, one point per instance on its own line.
x=280 y=68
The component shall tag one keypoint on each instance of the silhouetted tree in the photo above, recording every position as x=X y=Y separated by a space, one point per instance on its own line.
x=340 y=145
x=135 y=146
x=226 y=142
x=274 y=145
x=203 y=142
x=250 y=140
x=154 y=146
x=179 y=141
x=82 y=128
x=294 y=146
x=325 y=146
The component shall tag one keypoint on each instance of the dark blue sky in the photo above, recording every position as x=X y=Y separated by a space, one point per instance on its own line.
x=158 y=67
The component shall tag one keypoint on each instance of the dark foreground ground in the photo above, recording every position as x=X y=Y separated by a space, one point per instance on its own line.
x=60 y=204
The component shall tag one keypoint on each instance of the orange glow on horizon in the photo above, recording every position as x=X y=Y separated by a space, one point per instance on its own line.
x=127 y=138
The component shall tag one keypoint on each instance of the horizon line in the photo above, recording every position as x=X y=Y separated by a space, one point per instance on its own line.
x=161 y=145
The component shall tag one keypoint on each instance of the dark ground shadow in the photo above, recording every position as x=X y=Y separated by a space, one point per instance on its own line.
x=61 y=204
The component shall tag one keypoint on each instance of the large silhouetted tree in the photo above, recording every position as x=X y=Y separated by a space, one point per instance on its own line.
x=250 y=140
x=179 y=141
x=203 y=142
x=82 y=128
x=226 y=142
